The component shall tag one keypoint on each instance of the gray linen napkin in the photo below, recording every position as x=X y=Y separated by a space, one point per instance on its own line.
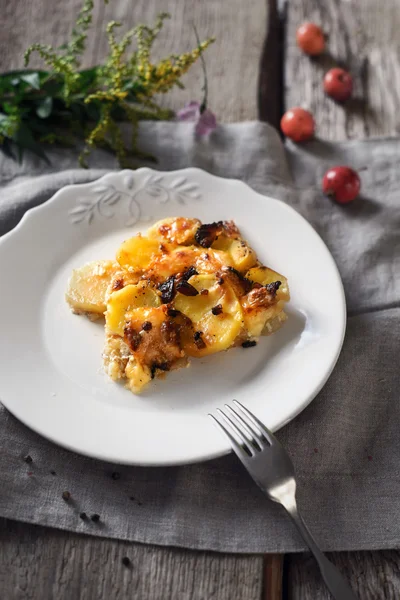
x=345 y=445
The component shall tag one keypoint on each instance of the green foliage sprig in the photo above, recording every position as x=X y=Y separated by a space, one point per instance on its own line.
x=66 y=104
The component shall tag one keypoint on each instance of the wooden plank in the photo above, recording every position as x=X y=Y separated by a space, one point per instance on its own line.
x=273 y=577
x=363 y=36
x=373 y=575
x=40 y=563
x=232 y=62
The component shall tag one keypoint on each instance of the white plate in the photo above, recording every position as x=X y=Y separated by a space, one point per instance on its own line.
x=51 y=375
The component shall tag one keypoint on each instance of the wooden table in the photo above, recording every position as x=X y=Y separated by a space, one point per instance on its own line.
x=255 y=70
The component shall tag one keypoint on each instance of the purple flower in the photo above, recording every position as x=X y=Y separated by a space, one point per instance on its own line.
x=190 y=112
x=205 y=121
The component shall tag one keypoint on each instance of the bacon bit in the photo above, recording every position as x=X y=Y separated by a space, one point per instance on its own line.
x=249 y=344
x=204 y=292
x=167 y=289
x=185 y=288
x=257 y=286
x=30 y=473
x=217 y=310
x=147 y=326
x=220 y=281
x=172 y=312
x=190 y=272
x=198 y=340
x=369 y=457
x=66 y=496
x=163 y=248
x=118 y=284
x=246 y=283
x=132 y=337
x=273 y=287
x=316 y=450
x=206 y=234
x=164 y=366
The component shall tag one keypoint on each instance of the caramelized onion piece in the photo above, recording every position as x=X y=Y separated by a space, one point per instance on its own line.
x=249 y=344
x=217 y=310
x=206 y=234
x=167 y=289
x=246 y=283
x=273 y=287
x=185 y=288
x=162 y=366
x=132 y=337
x=190 y=272
x=198 y=340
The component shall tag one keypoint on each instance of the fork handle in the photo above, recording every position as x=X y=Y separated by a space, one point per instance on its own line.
x=336 y=584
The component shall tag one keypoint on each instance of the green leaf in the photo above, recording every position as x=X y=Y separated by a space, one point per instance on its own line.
x=44 y=109
x=88 y=77
x=24 y=139
x=32 y=79
x=52 y=85
x=9 y=108
x=8 y=125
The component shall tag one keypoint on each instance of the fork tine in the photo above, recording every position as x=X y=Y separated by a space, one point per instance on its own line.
x=246 y=430
x=241 y=430
x=234 y=443
x=269 y=436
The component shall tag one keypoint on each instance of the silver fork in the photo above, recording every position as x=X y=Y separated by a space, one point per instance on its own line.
x=272 y=469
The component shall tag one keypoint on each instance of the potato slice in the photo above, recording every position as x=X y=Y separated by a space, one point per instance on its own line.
x=176 y=230
x=242 y=255
x=138 y=375
x=124 y=301
x=138 y=252
x=256 y=320
x=235 y=253
x=87 y=287
x=265 y=275
x=175 y=261
x=217 y=331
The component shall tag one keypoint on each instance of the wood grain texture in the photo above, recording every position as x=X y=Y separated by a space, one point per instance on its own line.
x=373 y=575
x=37 y=563
x=232 y=62
x=363 y=37
x=273 y=577
x=270 y=82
